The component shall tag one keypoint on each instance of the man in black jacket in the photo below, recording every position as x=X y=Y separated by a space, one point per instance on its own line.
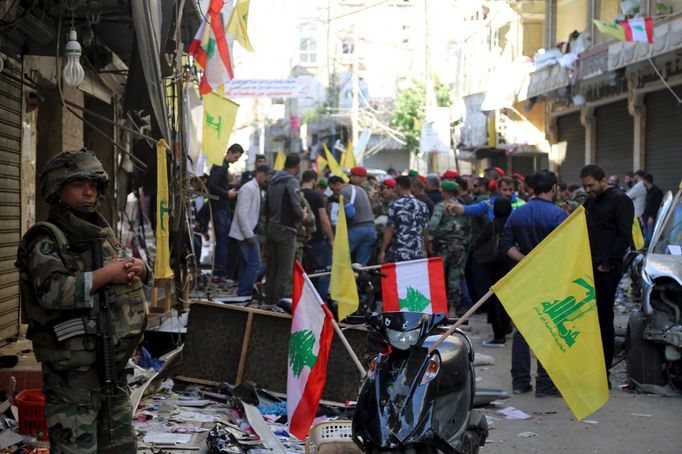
x=654 y=198
x=284 y=211
x=219 y=185
x=610 y=214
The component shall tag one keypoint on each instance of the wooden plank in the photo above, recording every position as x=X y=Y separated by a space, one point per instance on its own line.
x=245 y=348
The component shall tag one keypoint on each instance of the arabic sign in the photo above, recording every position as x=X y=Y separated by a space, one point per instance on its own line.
x=269 y=88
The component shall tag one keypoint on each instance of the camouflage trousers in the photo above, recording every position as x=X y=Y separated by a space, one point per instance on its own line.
x=77 y=417
x=454 y=260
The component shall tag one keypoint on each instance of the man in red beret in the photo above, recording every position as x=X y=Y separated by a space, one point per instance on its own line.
x=358 y=177
x=450 y=175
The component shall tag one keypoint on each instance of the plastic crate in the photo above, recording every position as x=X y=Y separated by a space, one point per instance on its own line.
x=31 y=405
x=331 y=437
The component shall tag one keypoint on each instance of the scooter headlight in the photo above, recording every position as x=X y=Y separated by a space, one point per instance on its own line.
x=431 y=370
x=403 y=340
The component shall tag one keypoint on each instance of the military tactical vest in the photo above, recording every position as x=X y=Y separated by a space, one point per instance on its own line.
x=77 y=348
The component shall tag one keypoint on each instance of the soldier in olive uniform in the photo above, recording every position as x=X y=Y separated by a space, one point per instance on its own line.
x=451 y=235
x=58 y=286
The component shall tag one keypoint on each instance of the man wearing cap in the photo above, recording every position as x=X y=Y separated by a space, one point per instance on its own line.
x=418 y=193
x=388 y=194
x=407 y=230
x=451 y=235
x=361 y=232
x=358 y=177
x=450 y=174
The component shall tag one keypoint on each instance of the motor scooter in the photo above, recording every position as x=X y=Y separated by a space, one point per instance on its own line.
x=416 y=401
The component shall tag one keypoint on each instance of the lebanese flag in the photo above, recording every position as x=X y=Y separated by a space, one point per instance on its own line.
x=639 y=29
x=210 y=38
x=309 y=344
x=414 y=286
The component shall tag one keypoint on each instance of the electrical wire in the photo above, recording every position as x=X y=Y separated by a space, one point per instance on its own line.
x=665 y=82
x=359 y=10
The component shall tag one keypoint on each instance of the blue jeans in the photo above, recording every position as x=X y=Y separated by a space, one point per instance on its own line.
x=521 y=367
x=361 y=241
x=322 y=258
x=221 y=226
x=250 y=267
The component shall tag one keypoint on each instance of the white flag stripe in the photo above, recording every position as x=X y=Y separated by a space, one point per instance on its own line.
x=308 y=315
x=415 y=275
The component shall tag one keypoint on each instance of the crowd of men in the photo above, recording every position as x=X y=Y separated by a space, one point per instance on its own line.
x=479 y=226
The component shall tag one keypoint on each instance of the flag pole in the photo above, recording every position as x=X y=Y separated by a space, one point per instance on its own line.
x=345 y=343
x=461 y=320
x=359 y=268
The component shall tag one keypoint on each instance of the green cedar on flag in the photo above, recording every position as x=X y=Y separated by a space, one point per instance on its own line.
x=414 y=286
x=309 y=344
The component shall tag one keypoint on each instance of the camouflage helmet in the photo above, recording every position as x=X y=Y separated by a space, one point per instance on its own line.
x=69 y=166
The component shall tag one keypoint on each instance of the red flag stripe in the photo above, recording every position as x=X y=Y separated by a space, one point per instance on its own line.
x=221 y=40
x=389 y=288
x=439 y=299
x=628 y=30
x=307 y=407
x=298 y=283
x=649 y=24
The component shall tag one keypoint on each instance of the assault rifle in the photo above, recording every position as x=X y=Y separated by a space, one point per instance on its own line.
x=106 y=354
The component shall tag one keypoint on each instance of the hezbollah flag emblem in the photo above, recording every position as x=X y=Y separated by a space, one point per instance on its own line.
x=550 y=297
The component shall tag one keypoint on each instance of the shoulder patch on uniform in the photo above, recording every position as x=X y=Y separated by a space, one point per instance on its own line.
x=46 y=246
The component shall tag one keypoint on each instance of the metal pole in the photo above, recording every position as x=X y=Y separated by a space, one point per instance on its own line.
x=355 y=114
x=461 y=320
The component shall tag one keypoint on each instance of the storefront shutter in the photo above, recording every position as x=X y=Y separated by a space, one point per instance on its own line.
x=664 y=138
x=10 y=196
x=615 y=136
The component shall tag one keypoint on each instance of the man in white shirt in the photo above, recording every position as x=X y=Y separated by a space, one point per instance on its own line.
x=638 y=194
x=246 y=215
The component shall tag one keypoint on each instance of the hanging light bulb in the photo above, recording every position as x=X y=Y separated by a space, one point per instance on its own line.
x=73 y=71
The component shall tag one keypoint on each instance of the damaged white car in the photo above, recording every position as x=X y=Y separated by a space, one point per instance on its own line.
x=654 y=333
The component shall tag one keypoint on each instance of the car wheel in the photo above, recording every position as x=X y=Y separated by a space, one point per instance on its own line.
x=645 y=359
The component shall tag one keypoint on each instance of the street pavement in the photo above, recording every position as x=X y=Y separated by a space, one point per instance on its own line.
x=628 y=423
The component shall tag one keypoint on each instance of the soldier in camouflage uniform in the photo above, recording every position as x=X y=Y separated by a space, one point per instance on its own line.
x=58 y=282
x=451 y=236
x=304 y=229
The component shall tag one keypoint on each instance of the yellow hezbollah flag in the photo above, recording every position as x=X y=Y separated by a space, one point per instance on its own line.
x=279 y=160
x=637 y=236
x=162 y=268
x=609 y=28
x=236 y=26
x=219 y=116
x=320 y=163
x=342 y=286
x=349 y=157
x=550 y=297
x=333 y=165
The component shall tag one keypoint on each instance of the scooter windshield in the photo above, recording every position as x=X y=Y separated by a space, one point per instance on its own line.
x=408 y=321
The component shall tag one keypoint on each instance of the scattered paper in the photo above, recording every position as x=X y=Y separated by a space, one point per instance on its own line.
x=528 y=434
x=514 y=413
x=9 y=438
x=641 y=415
x=590 y=421
x=163 y=438
x=191 y=416
x=483 y=360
